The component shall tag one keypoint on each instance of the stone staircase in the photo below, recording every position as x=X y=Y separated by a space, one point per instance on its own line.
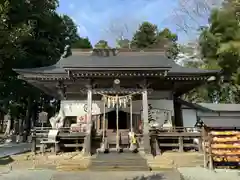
x=174 y=160
x=77 y=162
x=113 y=161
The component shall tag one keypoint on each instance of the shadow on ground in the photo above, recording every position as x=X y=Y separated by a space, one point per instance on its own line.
x=151 y=177
x=157 y=176
x=6 y=160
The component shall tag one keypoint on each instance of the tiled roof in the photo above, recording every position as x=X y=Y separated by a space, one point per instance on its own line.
x=221 y=122
x=123 y=60
x=221 y=107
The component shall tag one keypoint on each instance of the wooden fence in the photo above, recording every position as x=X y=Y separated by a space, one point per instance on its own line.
x=184 y=136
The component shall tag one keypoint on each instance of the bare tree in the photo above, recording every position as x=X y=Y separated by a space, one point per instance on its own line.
x=121 y=29
x=190 y=15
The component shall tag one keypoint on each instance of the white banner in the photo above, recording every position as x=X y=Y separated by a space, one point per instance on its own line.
x=78 y=108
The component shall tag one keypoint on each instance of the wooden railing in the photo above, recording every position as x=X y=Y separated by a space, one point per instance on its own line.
x=177 y=137
x=40 y=133
x=181 y=129
x=64 y=132
x=181 y=135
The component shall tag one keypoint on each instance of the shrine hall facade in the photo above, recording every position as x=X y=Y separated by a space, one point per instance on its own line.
x=95 y=81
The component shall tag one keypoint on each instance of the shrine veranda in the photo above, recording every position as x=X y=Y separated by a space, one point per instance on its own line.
x=115 y=92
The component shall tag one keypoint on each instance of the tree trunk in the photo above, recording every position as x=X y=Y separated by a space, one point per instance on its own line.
x=34 y=114
x=16 y=126
x=8 y=128
x=20 y=126
x=9 y=124
x=28 y=123
x=2 y=121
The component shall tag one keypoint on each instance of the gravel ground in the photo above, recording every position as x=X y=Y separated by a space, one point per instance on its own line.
x=198 y=173
x=86 y=175
x=187 y=173
x=18 y=170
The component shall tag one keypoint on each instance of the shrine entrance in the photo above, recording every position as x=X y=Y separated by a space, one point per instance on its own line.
x=117 y=125
x=112 y=120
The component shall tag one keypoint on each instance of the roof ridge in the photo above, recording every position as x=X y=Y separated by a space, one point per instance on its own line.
x=123 y=49
x=115 y=52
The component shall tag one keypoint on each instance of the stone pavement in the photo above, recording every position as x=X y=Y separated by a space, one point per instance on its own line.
x=87 y=175
x=13 y=148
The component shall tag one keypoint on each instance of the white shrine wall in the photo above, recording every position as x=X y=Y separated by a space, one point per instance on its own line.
x=79 y=108
x=158 y=100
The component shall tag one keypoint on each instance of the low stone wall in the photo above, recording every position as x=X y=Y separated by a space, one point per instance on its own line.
x=74 y=161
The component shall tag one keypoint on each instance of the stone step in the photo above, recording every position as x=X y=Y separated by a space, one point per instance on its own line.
x=117 y=162
x=119 y=168
x=67 y=168
x=118 y=159
x=117 y=165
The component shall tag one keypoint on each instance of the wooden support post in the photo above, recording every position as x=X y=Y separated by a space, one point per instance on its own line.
x=200 y=147
x=106 y=125
x=53 y=149
x=42 y=148
x=104 y=119
x=87 y=141
x=180 y=142
x=34 y=143
x=117 y=124
x=146 y=138
x=57 y=148
x=98 y=123
x=77 y=148
x=205 y=161
x=131 y=115
x=104 y=145
x=158 y=150
x=204 y=147
x=210 y=155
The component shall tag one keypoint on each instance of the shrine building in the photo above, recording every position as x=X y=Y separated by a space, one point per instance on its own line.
x=117 y=91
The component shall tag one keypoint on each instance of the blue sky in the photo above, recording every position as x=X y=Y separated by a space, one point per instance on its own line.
x=108 y=19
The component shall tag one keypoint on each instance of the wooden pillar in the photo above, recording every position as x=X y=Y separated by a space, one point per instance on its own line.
x=200 y=142
x=117 y=124
x=89 y=110
x=87 y=142
x=131 y=116
x=180 y=142
x=34 y=142
x=104 y=144
x=210 y=155
x=146 y=138
x=204 y=147
x=104 y=119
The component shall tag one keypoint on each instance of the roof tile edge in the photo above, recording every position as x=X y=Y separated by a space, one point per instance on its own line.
x=123 y=50
x=116 y=51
